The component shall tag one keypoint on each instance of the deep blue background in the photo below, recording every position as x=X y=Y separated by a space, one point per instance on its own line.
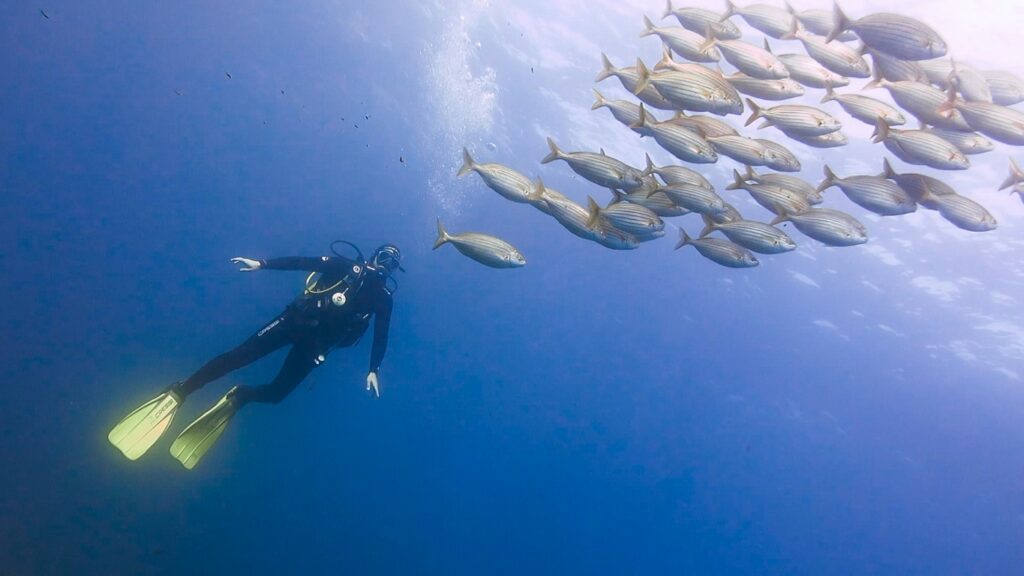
x=594 y=412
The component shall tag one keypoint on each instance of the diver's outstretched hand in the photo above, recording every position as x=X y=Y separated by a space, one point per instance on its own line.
x=371 y=384
x=248 y=264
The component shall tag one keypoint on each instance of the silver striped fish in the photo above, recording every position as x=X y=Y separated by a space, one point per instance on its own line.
x=624 y=111
x=719 y=251
x=1006 y=87
x=787 y=181
x=754 y=236
x=715 y=77
x=694 y=198
x=893 y=34
x=967 y=142
x=678 y=141
x=810 y=73
x=922 y=188
x=830 y=140
x=921 y=100
x=690 y=91
x=997 y=122
x=677 y=174
x=630 y=218
x=628 y=78
x=702 y=21
x=965 y=213
x=772 y=197
x=657 y=202
x=937 y=71
x=510 y=183
x=820 y=22
x=794 y=118
x=600 y=169
x=686 y=43
x=609 y=236
x=778 y=157
x=749 y=59
x=485 y=249
x=970 y=83
x=835 y=56
x=920 y=147
x=740 y=148
x=706 y=125
x=730 y=214
x=865 y=108
x=772 y=20
x=569 y=214
x=873 y=193
x=828 y=226
x=781 y=89
x=896 y=70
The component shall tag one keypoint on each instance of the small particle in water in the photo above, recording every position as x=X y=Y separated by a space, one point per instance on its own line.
x=356 y=125
x=401 y=159
x=45 y=15
x=282 y=91
x=531 y=69
x=178 y=92
x=492 y=146
x=367 y=116
x=228 y=74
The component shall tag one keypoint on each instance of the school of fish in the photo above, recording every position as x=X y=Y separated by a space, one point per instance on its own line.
x=961 y=111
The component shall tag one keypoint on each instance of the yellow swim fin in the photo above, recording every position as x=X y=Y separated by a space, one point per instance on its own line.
x=195 y=440
x=138 y=431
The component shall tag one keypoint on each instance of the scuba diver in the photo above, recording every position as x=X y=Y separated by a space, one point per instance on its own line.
x=333 y=311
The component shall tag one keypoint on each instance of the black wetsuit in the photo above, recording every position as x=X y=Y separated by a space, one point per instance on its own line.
x=313 y=324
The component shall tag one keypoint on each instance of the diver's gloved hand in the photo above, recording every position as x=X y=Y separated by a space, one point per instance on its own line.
x=248 y=264
x=371 y=384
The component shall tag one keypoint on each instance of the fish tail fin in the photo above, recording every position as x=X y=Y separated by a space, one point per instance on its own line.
x=607 y=68
x=830 y=94
x=876 y=77
x=755 y=112
x=555 y=153
x=668 y=10
x=467 y=163
x=749 y=174
x=593 y=212
x=648 y=27
x=828 y=182
x=643 y=76
x=666 y=61
x=887 y=171
x=709 y=40
x=1015 y=176
x=794 y=31
x=642 y=120
x=737 y=181
x=650 y=168
x=789 y=7
x=881 y=130
x=709 y=226
x=767 y=46
x=730 y=10
x=780 y=216
x=947 y=107
x=599 y=100
x=840 y=23
x=684 y=239
x=536 y=194
x=442 y=235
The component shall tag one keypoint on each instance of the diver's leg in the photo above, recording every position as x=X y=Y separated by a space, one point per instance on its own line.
x=300 y=362
x=274 y=335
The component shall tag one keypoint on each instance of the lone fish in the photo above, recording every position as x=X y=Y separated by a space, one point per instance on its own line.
x=485 y=249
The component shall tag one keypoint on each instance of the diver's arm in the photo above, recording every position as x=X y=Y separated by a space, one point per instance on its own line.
x=381 y=324
x=303 y=263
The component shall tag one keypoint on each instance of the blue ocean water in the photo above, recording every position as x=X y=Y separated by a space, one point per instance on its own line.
x=833 y=411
